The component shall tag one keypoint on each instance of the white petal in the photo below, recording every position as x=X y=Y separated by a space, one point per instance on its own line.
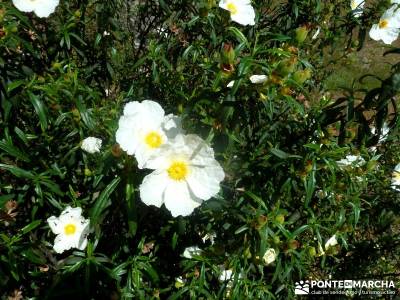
x=390 y=35
x=192 y=251
x=230 y=84
x=153 y=187
x=61 y=244
x=375 y=32
x=126 y=135
x=24 y=5
x=147 y=110
x=71 y=213
x=245 y=15
x=172 y=125
x=55 y=225
x=204 y=182
x=179 y=200
x=46 y=8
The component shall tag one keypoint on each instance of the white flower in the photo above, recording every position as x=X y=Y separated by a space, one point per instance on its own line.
x=331 y=242
x=186 y=174
x=42 y=8
x=258 y=79
x=192 y=251
x=357 y=7
x=396 y=178
x=230 y=84
x=388 y=27
x=241 y=11
x=225 y=274
x=71 y=229
x=351 y=160
x=144 y=128
x=269 y=256
x=396 y=1
x=91 y=144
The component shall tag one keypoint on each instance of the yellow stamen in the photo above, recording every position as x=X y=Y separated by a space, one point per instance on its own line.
x=178 y=170
x=396 y=176
x=383 y=24
x=153 y=139
x=232 y=8
x=69 y=229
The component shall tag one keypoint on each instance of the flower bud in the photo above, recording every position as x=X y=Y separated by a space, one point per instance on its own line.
x=228 y=54
x=301 y=76
x=286 y=66
x=280 y=219
x=301 y=34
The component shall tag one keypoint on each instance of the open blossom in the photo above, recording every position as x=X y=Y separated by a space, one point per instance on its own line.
x=144 y=128
x=71 y=229
x=185 y=174
x=396 y=178
x=258 y=79
x=91 y=144
x=388 y=27
x=241 y=11
x=42 y=8
x=357 y=7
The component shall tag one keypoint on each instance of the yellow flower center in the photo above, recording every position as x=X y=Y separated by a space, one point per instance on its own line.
x=178 y=170
x=396 y=176
x=153 y=139
x=353 y=5
x=232 y=8
x=69 y=229
x=383 y=24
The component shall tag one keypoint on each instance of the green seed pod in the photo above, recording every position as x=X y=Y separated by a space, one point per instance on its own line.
x=301 y=34
x=301 y=76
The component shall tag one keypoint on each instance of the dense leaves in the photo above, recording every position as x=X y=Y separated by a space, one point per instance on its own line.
x=68 y=76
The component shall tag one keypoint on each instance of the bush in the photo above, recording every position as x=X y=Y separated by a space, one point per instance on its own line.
x=284 y=145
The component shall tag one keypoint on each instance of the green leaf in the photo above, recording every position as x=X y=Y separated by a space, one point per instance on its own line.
x=40 y=110
x=31 y=226
x=14 y=151
x=103 y=201
x=240 y=36
x=17 y=171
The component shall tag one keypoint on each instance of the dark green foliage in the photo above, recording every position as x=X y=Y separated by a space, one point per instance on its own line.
x=68 y=76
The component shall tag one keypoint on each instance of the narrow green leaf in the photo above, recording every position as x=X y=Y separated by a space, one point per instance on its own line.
x=103 y=201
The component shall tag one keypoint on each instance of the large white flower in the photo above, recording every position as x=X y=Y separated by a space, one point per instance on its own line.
x=71 y=229
x=388 y=27
x=91 y=144
x=42 y=8
x=357 y=7
x=144 y=128
x=186 y=173
x=396 y=178
x=241 y=11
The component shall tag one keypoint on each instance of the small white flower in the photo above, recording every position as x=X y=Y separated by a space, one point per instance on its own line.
x=42 y=8
x=192 y=251
x=91 y=144
x=225 y=274
x=106 y=33
x=396 y=178
x=351 y=160
x=71 y=229
x=357 y=7
x=258 y=79
x=185 y=174
x=144 y=128
x=331 y=242
x=241 y=11
x=269 y=256
x=230 y=84
x=388 y=27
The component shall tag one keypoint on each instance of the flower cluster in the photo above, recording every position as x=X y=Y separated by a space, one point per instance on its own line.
x=185 y=172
